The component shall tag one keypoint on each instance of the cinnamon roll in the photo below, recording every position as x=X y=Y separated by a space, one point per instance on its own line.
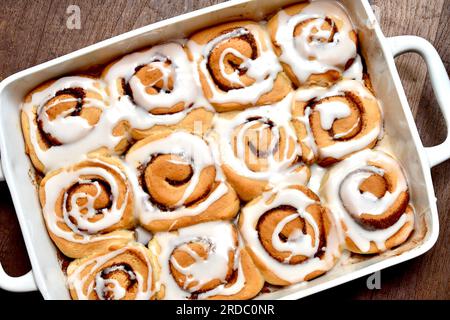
x=290 y=235
x=123 y=273
x=88 y=207
x=316 y=43
x=177 y=183
x=368 y=193
x=258 y=149
x=205 y=261
x=157 y=89
x=331 y=123
x=237 y=67
x=64 y=119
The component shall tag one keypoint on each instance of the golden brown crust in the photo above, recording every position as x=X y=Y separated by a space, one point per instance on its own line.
x=395 y=240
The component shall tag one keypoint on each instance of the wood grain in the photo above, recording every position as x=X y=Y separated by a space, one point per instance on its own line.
x=35 y=31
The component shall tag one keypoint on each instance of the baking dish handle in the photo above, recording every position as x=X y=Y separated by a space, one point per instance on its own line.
x=439 y=81
x=23 y=283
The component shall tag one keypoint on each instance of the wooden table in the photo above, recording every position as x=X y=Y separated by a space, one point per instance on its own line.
x=34 y=31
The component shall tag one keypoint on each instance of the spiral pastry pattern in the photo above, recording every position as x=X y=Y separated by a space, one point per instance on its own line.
x=258 y=148
x=177 y=182
x=368 y=193
x=205 y=261
x=64 y=119
x=289 y=235
x=158 y=89
x=237 y=67
x=87 y=207
x=316 y=43
x=124 y=273
x=335 y=122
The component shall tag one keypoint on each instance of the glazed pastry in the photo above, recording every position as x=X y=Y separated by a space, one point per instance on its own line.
x=237 y=67
x=316 y=43
x=123 y=273
x=177 y=183
x=368 y=193
x=290 y=235
x=88 y=207
x=157 y=89
x=332 y=123
x=258 y=149
x=205 y=261
x=63 y=120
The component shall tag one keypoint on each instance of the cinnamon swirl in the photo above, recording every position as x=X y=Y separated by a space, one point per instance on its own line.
x=316 y=43
x=177 y=183
x=123 y=273
x=64 y=119
x=258 y=149
x=88 y=207
x=237 y=67
x=157 y=90
x=290 y=235
x=332 y=123
x=368 y=193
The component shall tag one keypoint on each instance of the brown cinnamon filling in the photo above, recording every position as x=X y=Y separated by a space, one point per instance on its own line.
x=57 y=105
x=246 y=45
x=123 y=273
x=347 y=127
x=260 y=148
x=328 y=25
x=102 y=201
x=152 y=78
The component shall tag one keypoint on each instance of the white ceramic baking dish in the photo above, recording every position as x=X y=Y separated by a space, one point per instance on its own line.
x=379 y=52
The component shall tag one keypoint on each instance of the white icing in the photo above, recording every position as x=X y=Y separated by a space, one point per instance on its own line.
x=184 y=89
x=83 y=229
x=355 y=71
x=193 y=150
x=264 y=69
x=218 y=239
x=292 y=273
x=111 y=285
x=81 y=138
x=142 y=235
x=281 y=167
x=315 y=181
x=346 y=201
x=331 y=111
x=298 y=51
x=77 y=280
x=297 y=242
x=342 y=148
